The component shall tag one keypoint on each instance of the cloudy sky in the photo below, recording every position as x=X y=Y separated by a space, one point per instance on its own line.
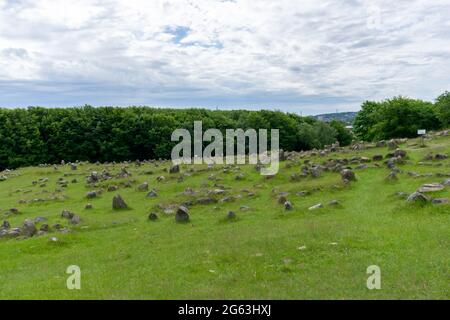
x=303 y=56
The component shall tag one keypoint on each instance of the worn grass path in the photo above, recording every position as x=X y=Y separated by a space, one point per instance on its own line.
x=123 y=255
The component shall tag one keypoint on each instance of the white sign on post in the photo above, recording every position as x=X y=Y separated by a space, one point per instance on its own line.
x=421 y=132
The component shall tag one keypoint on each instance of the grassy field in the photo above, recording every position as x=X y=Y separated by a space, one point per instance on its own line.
x=265 y=253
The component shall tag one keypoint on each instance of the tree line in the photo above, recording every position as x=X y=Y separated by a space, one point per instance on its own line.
x=37 y=135
x=401 y=117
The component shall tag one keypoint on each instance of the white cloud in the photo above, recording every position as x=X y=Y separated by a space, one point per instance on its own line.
x=315 y=55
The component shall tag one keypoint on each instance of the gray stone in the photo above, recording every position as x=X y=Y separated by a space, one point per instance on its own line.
x=91 y=194
x=57 y=226
x=174 y=169
x=28 y=228
x=152 y=194
x=377 y=157
x=348 y=175
x=317 y=206
x=400 y=153
x=143 y=186
x=333 y=203
x=392 y=176
x=66 y=214
x=431 y=187
x=45 y=228
x=5 y=225
x=182 y=214
x=88 y=206
x=288 y=206
x=112 y=188
x=40 y=219
x=119 y=203
x=440 y=201
x=282 y=199
x=76 y=219
x=392 y=145
x=440 y=156
x=418 y=198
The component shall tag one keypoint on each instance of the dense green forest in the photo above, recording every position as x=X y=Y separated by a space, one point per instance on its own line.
x=401 y=117
x=39 y=135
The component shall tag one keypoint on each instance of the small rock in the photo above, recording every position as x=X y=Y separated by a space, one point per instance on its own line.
x=112 y=188
x=40 y=219
x=282 y=199
x=91 y=194
x=152 y=194
x=76 y=219
x=45 y=228
x=333 y=203
x=392 y=176
x=143 y=186
x=440 y=201
x=440 y=156
x=153 y=216
x=418 y=197
x=317 y=206
x=67 y=214
x=348 y=175
x=88 y=206
x=231 y=215
x=288 y=206
x=182 y=214
x=400 y=153
x=119 y=203
x=28 y=228
x=174 y=169
x=377 y=157
x=5 y=225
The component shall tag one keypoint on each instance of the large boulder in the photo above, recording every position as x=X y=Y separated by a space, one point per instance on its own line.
x=182 y=214
x=119 y=203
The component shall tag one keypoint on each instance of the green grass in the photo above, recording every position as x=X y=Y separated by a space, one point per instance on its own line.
x=123 y=255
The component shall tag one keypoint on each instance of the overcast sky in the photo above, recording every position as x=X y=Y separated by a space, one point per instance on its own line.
x=304 y=56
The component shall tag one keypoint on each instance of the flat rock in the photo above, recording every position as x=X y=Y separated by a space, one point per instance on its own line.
x=440 y=201
x=431 y=187
x=317 y=206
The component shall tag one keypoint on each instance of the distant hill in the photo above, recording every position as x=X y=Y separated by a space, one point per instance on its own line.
x=346 y=117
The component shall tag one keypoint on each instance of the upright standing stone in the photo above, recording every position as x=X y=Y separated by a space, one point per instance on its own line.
x=119 y=203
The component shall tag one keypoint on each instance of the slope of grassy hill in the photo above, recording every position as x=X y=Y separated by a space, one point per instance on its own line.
x=264 y=252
